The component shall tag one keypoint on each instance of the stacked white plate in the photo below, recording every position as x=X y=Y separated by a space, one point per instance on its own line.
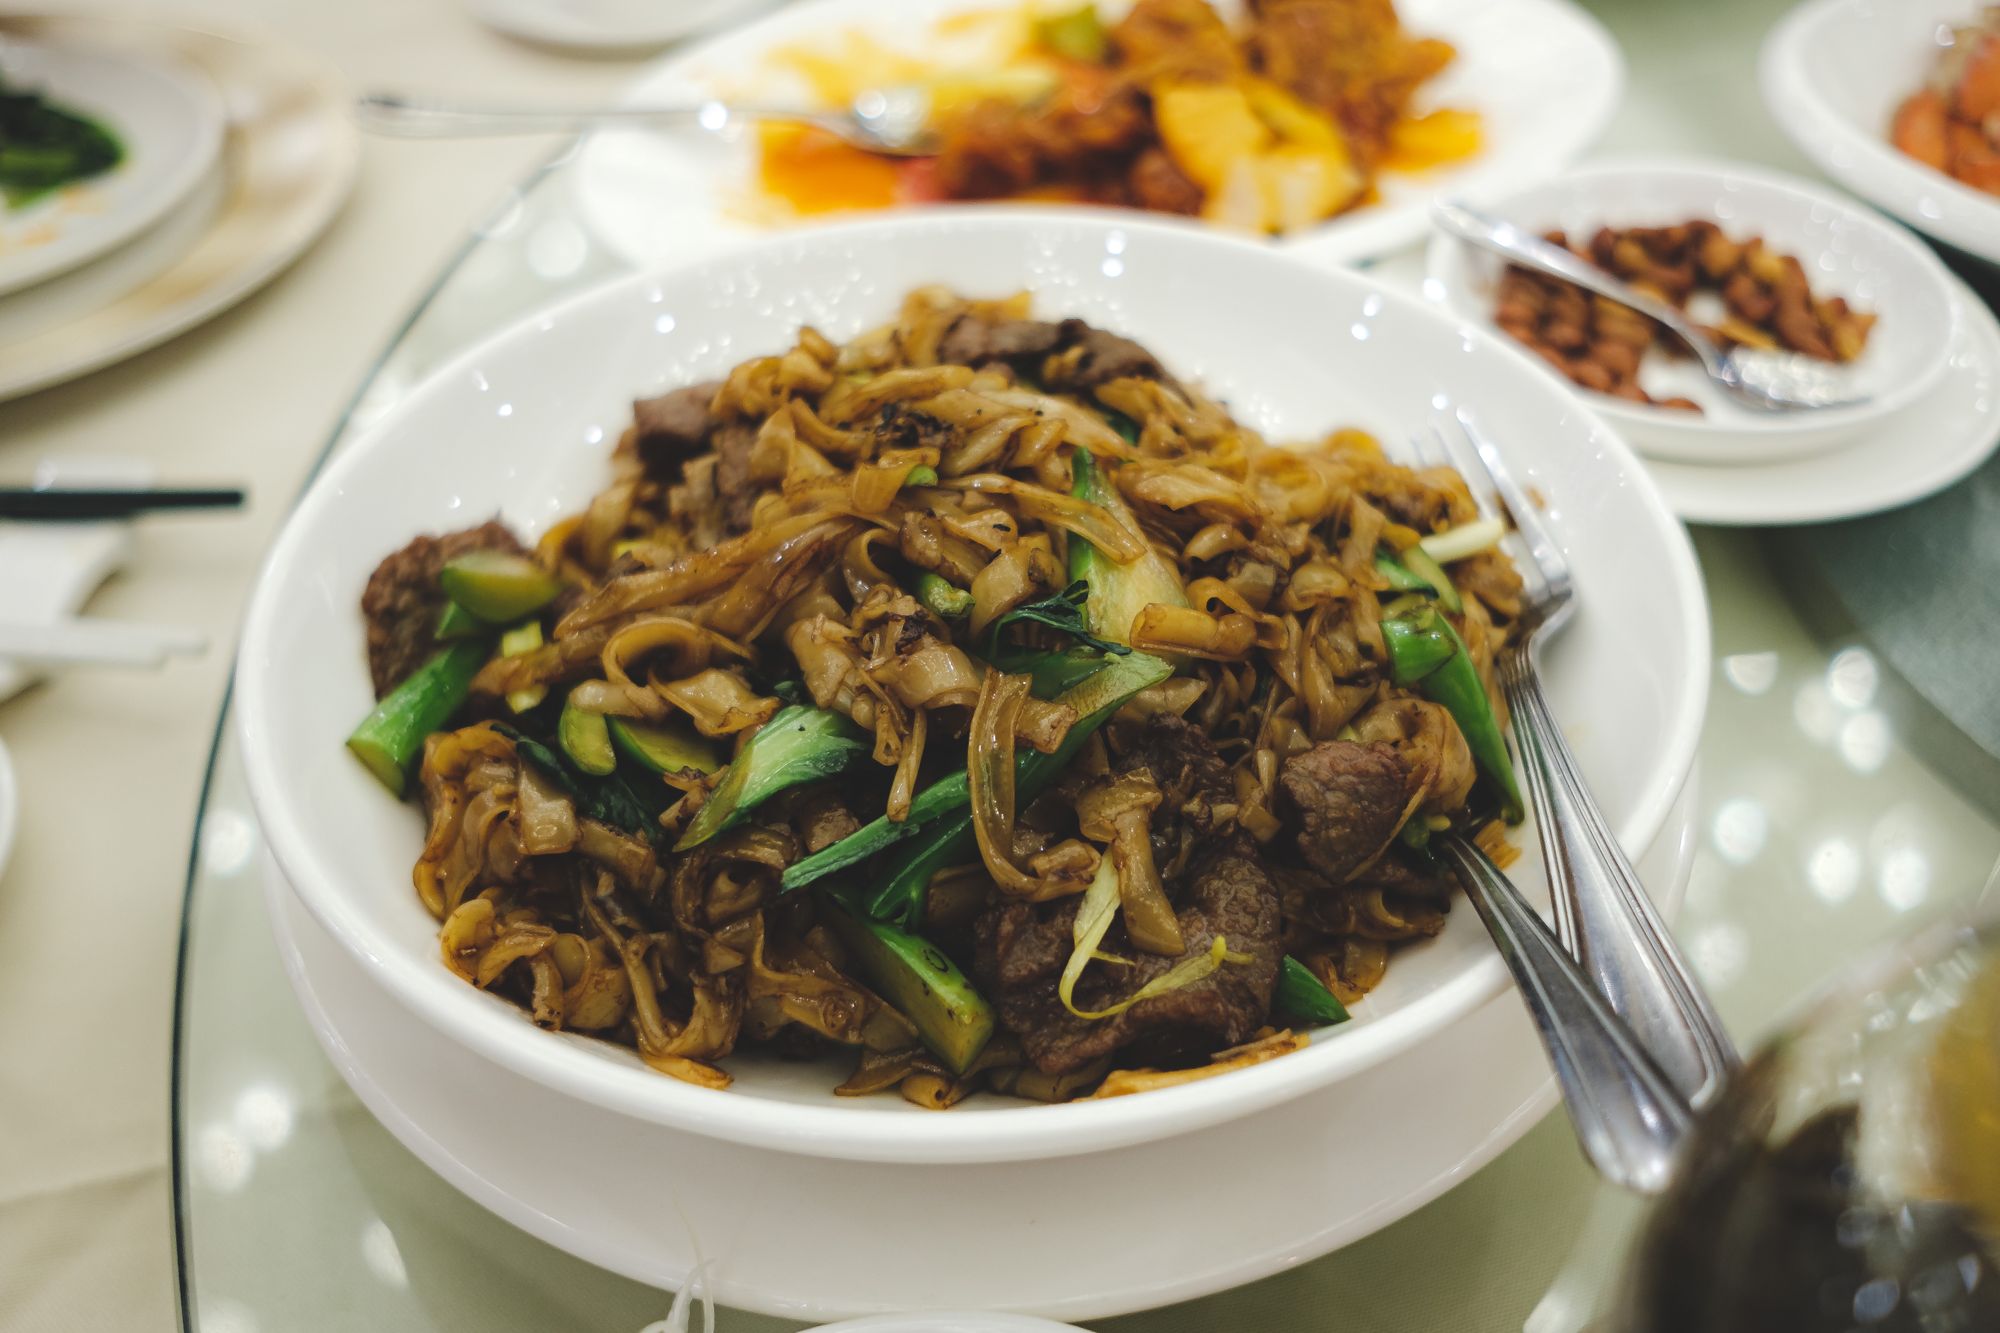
x=236 y=155
x=791 y=1196
x=86 y=244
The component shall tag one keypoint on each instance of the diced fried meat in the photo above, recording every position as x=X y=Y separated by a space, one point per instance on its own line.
x=1158 y=183
x=1346 y=799
x=1022 y=949
x=1176 y=39
x=403 y=601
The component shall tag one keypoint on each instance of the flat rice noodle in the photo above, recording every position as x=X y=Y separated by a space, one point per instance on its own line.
x=990 y=779
x=685 y=579
x=684 y=646
x=718 y=702
x=1094 y=523
x=850 y=401
x=784 y=570
x=548 y=820
x=1019 y=573
x=1160 y=628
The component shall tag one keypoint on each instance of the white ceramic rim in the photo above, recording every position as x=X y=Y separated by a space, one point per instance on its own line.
x=1661 y=421
x=1968 y=219
x=1783 y=491
x=854 y=1132
x=209 y=121
x=558 y=25
x=1365 y=234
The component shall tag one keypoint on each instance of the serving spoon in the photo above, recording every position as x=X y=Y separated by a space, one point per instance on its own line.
x=1767 y=381
x=894 y=122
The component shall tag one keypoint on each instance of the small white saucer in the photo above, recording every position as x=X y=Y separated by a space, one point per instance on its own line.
x=167 y=116
x=1926 y=448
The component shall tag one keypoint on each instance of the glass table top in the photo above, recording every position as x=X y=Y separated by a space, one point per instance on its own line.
x=1837 y=807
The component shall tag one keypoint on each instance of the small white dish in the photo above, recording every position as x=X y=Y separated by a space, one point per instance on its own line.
x=520 y=425
x=1833 y=73
x=1301 y=1180
x=1927 y=448
x=167 y=116
x=942 y=1321
x=288 y=160
x=599 y=25
x=1846 y=249
x=1544 y=76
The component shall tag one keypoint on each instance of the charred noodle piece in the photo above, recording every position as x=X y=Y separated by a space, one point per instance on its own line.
x=939 y=812
x=389 y=739
x=1426 y=651
x=798 y=745
x=926 y=987
x=1300 y=994
x=1118 y=593
x=499 y=587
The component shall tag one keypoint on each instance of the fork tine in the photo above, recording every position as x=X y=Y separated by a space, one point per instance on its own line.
x=1535 y=531
x=1460 y=455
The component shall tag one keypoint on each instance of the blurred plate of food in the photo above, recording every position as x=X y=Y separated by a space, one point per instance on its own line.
x=1898 y=100
x=1328 y=123
x=97 y=145
x=1764 y=261
x=1937 y=441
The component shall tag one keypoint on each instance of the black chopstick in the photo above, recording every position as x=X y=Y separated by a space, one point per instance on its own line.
x=71 y=503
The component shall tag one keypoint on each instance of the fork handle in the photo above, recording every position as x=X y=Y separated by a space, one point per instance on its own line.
x=1603 y=914
x=1629 y=1119
x=409 y=118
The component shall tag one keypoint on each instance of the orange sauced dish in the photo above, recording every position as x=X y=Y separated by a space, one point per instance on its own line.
x=1271 y=125
x=1952 y=123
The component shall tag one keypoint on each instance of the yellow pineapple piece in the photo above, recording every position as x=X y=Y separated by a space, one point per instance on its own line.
x=1208 y=129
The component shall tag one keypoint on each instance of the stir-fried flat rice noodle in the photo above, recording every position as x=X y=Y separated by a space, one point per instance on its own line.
x=1071 y=683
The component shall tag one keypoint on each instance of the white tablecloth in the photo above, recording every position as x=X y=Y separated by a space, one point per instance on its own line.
x=111 y=763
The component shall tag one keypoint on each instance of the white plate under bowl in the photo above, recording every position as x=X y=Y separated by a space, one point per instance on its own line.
x=1544 y=76
x=522 y=425
x=593 y=25
x=167 y=116
x=805 y=1237
x=1847 y=251
x=1925 y=449
x=1833 y=73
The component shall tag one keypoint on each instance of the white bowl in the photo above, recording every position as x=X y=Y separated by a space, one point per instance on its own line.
x=1846 y=249
x=522 y=425
x=1834 y=72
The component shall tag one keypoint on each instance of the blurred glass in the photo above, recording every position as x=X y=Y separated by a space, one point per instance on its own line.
x=1850 y=1178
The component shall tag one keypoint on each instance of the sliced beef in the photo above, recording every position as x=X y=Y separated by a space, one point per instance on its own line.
x=1022 y=948
x=975 y=341
x=735 y=492
x=1070 y=357
x=673 y=427
x=1346 y=799
x=402 y=601
x=1091 y=357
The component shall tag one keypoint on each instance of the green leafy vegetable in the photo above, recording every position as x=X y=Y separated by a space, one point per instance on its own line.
x=391 y=737
x=44 y=147
x=1301 y=994
x=608 y=799
x=1061 y=612
x=796 y=746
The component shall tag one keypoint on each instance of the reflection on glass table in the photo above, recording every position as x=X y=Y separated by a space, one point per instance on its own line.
x=1851 y=1175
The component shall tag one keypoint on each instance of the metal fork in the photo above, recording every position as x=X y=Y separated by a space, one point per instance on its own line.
x=1603 y=915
